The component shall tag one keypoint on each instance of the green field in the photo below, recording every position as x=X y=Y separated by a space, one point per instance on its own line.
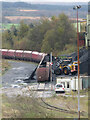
x=8 y=26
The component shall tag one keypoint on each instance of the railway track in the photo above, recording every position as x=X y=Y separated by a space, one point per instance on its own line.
x=46 y=105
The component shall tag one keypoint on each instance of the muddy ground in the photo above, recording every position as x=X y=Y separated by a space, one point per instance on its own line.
x=18 y=71
x=14 y=81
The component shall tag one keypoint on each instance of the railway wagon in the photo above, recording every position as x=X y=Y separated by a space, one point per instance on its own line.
x=4 y=53
x=40 y=56
x=43 y=70
x=11 y=54
x=35 y=56
x=19 y=54
x=27 y=55
x=42 y=74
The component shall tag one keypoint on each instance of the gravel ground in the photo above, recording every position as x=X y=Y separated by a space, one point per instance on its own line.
x=19 y=70
x=13 y=84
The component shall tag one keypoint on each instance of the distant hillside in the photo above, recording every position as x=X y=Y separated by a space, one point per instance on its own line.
x=61 y=3
x=42 y=10
x=14 y=4
x=58 y=6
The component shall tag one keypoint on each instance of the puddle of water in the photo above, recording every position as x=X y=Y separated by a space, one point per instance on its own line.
x=19 y=68
x=19 y=81
x=15 y=86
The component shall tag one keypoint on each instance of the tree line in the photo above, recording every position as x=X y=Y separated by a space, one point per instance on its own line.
x=55 y=35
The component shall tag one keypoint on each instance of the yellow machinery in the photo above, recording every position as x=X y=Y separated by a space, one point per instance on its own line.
x=66 y=67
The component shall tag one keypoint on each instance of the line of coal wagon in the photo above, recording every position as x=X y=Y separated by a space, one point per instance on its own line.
x=33 y=56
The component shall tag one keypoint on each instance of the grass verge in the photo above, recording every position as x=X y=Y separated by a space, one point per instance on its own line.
x=5 y=66
x=29 y=107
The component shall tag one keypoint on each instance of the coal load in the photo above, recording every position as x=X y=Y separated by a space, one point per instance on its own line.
x=84 y=57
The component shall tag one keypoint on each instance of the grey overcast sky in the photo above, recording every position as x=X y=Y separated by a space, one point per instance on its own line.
x=45 y=0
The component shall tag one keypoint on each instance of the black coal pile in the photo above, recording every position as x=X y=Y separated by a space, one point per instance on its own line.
x=84 y=57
